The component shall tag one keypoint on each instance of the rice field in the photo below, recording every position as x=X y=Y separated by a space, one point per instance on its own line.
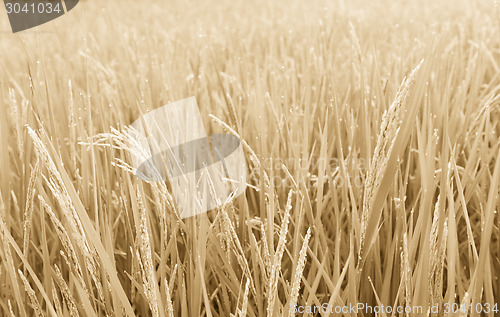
x=371 y=138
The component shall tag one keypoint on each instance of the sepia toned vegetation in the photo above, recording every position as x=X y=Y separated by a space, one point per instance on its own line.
x=370 y=130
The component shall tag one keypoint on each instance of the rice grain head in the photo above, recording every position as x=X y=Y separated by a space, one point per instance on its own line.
x=299 y=271
x=32 y=296
x=388 y=133
x=278 y=255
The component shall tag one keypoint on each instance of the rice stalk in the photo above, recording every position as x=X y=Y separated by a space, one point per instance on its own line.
x=28 y=211
x=65 y=241
x=60 y=192
x=388 y=133
x=297 y=277
x=66 y=292
x=278 y=255
x=146 y=260
x=169 y=307
x=32 y=296
x=244 y=305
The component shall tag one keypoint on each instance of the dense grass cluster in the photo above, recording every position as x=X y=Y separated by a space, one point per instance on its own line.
x=371 y=135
